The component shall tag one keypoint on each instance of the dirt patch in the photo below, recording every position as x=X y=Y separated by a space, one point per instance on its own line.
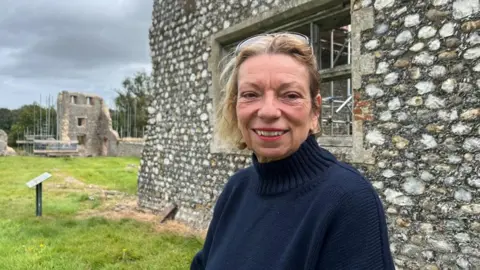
x=128 y=209
x=116 y=205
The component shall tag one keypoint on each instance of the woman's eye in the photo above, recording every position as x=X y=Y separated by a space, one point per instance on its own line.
x=292 y=96
x=248 y=95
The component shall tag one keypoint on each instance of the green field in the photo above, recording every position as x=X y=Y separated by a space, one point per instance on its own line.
x=82 y=226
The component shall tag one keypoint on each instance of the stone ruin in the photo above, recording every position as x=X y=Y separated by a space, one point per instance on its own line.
x=85 y=119
x=414 y=76
x=5 y=150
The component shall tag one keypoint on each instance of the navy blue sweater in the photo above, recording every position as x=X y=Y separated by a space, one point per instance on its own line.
x=308 y=211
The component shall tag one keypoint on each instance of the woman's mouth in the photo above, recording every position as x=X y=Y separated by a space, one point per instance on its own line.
x=270 y=133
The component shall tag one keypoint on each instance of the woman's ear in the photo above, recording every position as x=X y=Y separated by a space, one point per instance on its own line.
x=316 y=114
x=318 y=101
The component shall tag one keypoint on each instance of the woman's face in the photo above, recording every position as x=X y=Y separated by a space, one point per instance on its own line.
x=273 y=107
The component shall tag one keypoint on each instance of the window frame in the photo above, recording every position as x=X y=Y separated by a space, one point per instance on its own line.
x=284 y=18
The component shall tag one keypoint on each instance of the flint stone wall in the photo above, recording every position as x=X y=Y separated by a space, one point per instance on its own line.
x=423 y=93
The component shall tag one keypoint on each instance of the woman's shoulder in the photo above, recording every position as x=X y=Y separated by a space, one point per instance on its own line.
x=346 y=176
x=239 y=179
x=348 y=182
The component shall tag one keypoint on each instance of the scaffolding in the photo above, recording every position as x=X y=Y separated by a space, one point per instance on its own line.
x=337 y=102
x=41 y=138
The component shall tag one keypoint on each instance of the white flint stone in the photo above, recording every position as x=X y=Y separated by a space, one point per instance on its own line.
x=465 y=8
x=397 y=198
x=425 y=87
x=226 y=24
x=151 y=110
x=453 y=115
x=472 y=144
x=474 y=182
x=434 y=102
x=404 y=37
x=377 y=184
x=449 y=85
x=452 y=159
x=396 y=52
x=394 y=104
x=463 y=195
x=205 y=56
x=391 y=78
x=476 y=68
x=474 y=38
x=412 y=20
x=375 y=137
x=204 y=117
x=204 y=73
x=417 y=47
x=428 y=141
x=461 y=129
x=438 y=71
x=439 y=2
x=372 y=44
x=373 y=91
x=402 y=116
x=472 y=53
x=382 y=68
x=381 y=29
x=447 y=30
x=427 y=32
x=426 y=176
x=424 y=58
x=399 y=12
x=388 y=173
x=465 y=87
x=434 y=45
x=366 y=3
x=381 y=4
x=166 y=161
x=413 y=186
x=462 y=237
x=385 y=116
x=441 y=245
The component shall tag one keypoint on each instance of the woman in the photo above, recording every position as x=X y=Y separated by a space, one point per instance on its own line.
x=297 y=206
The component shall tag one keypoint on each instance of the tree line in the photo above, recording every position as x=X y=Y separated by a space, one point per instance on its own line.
x=129 y=116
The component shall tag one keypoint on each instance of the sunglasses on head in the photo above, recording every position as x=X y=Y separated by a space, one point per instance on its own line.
x=251 y=40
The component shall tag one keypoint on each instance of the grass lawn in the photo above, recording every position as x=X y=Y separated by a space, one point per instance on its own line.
x=67 y=238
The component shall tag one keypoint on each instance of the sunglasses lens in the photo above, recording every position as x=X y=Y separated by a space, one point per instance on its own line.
x=254 y=39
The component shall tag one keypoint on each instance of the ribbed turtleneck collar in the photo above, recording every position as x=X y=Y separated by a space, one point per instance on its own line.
x=303 y=166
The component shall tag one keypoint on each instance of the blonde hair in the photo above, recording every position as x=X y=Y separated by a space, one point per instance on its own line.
x=226 y=127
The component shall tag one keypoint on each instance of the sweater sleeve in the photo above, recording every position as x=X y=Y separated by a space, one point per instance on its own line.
x=357 y=238
x=200 y=259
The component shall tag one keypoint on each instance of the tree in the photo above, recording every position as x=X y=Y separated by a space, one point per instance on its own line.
x=33 y=119
x=7 y=118
x=131 y=115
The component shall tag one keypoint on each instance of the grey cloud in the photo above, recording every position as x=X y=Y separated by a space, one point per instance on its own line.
x=76 y=43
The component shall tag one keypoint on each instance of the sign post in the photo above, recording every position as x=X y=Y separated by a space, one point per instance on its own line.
x=37 y=183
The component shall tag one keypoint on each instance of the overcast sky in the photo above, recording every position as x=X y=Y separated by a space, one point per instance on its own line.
x=47 y=46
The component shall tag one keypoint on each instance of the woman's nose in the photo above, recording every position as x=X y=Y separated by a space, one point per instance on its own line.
x=269 y=108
